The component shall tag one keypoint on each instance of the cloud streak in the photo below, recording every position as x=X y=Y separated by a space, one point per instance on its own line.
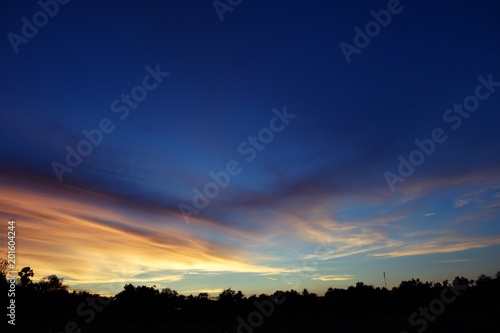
x=84 y=239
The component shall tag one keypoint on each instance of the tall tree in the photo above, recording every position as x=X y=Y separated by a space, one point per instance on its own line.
x=26 y=274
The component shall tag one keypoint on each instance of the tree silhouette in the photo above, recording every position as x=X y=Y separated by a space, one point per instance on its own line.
x=203 y=296
x=227 y=295
x=359 y=308
x=51 y=283
x=238 y=296
x=330 y=293
x=3 y=270
x=483 y=280
x=167 y=292
x=26 y=273
x=461 y=281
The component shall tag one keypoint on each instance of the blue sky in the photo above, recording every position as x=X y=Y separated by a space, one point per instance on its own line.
x=316 y=178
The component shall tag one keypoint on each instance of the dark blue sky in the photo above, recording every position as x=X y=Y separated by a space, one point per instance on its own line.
x=320 y=177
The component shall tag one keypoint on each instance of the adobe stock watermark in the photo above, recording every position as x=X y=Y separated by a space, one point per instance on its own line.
x=222 y=6
x=10 y=271
x=29 y=29
x=454 y=117
x=436 y=307
x=121 y=106
x=221 y=179
x=266 y=308
x=372 y=29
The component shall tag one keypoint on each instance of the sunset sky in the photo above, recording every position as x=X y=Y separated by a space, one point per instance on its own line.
x=176 y=144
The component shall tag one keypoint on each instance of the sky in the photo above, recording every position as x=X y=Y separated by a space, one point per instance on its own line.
x=256 y=145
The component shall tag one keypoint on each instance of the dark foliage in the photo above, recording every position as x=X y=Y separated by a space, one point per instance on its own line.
x=48 y=306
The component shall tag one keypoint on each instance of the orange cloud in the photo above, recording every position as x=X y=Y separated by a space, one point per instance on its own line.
x=88 y=239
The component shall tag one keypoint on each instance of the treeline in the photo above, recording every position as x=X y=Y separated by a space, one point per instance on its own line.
x=461 y=305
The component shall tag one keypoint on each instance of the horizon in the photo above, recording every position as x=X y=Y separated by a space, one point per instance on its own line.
x=263 y=147
x=214 y=294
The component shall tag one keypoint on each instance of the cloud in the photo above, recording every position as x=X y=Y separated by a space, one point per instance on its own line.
x=441 y=245
x=340 y=277
x=86 y=238
x=458 y=260
x=99 y=240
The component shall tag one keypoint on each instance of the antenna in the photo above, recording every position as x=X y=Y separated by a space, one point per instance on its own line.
x=385 y=281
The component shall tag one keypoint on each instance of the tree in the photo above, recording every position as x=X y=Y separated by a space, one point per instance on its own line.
x=26 y=273
x=416 y=286
x=227 y=295
x=4 y=264
x=483 y=280
x=140 y=293
x=330 y=292
x=203 y=296
x=461 y=281
x=167 y=292
x=52 y=283
x=239 y=296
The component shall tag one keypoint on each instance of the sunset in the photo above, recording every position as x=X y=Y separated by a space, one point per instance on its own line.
x=253 y=145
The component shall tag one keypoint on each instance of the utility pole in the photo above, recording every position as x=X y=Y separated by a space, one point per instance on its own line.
x=385 y=281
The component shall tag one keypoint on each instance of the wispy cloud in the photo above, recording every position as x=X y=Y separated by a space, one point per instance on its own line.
x=80 y=236
x=458 y=260
x=440 y=245
x=340 y=277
